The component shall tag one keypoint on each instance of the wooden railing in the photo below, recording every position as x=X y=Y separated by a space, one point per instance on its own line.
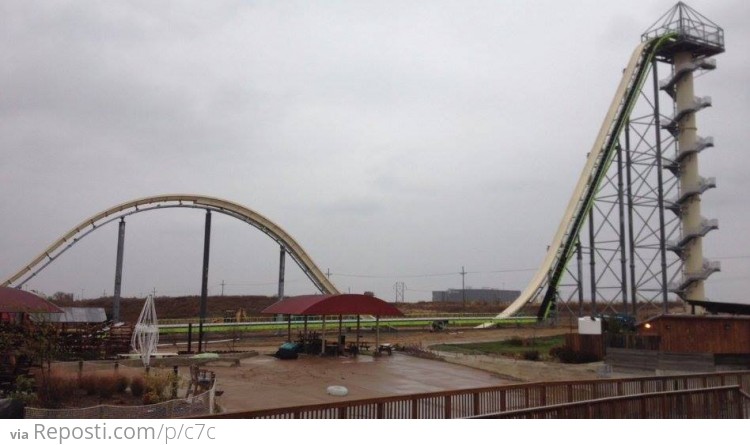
x=489 y=400
x=724 y=402
x=745 y=403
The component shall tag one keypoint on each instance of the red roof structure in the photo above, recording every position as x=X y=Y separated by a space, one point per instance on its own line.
x=342 y=304
x=19 y=301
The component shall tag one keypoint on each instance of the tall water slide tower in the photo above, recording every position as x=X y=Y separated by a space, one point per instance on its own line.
x=642 y=240
x=698 y=39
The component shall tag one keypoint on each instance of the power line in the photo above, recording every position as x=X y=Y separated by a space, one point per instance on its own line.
x=463 y=287
x=394 y=275
x=428 y=275
x=501 y=271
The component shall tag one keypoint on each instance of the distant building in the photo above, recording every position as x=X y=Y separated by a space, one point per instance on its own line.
x=475 y=295
x=78 y=315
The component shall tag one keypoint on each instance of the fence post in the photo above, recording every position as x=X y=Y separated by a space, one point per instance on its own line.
x=447 y=406
x=414 y=408
x=476 y=404
x=379 y=411
x=190 y=338
x=174 y=382
x=529 y=403
x=740 y=404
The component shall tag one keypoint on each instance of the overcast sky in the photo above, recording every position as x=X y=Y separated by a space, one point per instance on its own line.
x=395 y=140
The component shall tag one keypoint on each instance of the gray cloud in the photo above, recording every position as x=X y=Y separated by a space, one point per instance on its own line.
x=391 y=139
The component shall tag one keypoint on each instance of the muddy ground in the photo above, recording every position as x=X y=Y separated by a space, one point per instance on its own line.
x=266 y=382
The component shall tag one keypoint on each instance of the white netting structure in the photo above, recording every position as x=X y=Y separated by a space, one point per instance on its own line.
x=146 y=332
x=198 y=405
x=191 y=405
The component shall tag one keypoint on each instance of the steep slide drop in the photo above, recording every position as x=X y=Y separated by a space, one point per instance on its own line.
x=547 y=278
x=232 y=209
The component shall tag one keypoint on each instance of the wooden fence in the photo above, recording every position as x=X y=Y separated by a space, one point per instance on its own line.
x=490 y=400
x=724 y=402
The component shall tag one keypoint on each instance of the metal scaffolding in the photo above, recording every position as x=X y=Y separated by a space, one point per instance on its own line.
x=645 y=228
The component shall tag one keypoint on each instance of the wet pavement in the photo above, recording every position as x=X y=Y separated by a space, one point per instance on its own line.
x=267 y=382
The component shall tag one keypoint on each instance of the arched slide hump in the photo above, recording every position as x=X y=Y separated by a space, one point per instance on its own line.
x=240 y=212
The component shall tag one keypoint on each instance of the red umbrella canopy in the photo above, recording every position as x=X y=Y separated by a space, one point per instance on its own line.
x=342 y=304
x=15 y=300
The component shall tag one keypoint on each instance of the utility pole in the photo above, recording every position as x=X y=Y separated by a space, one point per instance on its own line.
x=222 y=288
x=399 y=287
x=463 y=287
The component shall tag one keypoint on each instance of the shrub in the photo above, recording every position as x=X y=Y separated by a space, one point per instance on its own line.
x=514 y=341
x=56 y=388
x=25 y=383
x=567 y=355
x=24 y=391
x=137 y=386
x=88 y=383
x=531 y=354
x=106 y=385
x=122 y=383
x=159 y=386
x=156 y=384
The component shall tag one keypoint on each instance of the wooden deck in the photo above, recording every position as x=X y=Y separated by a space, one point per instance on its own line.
x=501 y=399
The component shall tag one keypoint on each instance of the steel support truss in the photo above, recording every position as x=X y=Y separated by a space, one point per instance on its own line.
x=632 y=226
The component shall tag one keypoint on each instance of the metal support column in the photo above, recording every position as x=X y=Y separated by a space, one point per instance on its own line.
x=204 y=282
x=660 y=189
x=631 y=233
x=289 y=328
x=579 y=279
x=621 y=234
x=282 y=259
x=592 y=260
x=118 y=271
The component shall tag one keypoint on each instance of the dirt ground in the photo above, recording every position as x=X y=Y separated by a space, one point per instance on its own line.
x=265 y=382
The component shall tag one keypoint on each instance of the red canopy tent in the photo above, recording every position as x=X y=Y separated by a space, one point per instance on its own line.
x=341 y=304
